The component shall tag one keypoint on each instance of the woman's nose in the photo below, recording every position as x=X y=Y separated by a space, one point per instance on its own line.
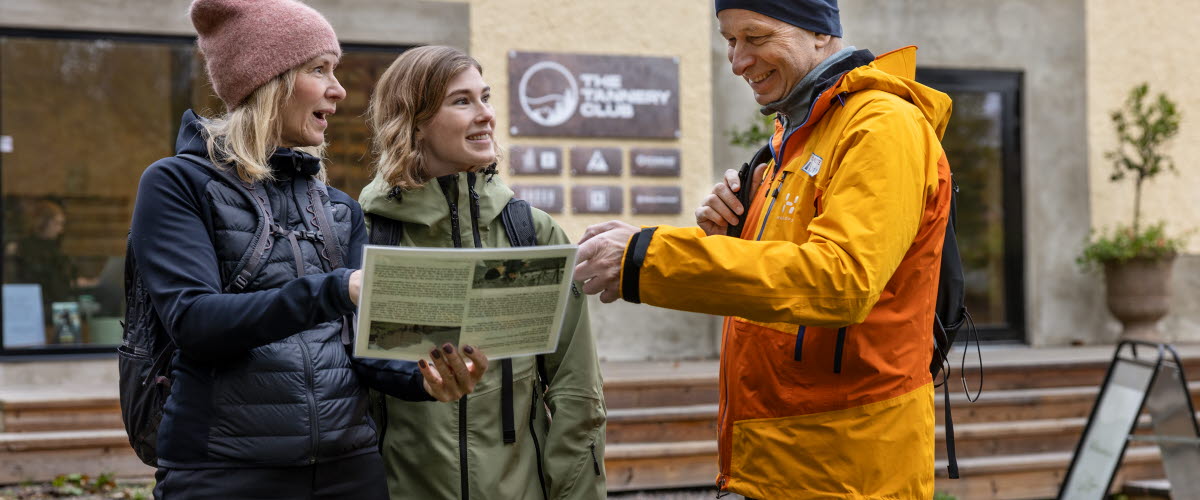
x=336 y=92
x=486 y=114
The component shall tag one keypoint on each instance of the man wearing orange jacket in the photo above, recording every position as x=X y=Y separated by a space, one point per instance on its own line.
x=830 y=289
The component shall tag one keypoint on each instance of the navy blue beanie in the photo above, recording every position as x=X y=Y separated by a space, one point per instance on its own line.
x=818 y=16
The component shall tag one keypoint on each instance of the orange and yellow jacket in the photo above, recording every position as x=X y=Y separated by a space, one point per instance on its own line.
x=829 y=293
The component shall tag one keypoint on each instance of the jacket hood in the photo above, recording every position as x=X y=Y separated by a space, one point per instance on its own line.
x=895 y=73
x=191 y=136
x=427 y=206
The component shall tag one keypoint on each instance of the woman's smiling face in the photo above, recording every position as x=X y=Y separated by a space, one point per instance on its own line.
x=459 y=137
x=314 y=97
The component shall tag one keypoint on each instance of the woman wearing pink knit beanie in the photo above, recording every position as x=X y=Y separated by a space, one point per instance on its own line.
x=245 y=274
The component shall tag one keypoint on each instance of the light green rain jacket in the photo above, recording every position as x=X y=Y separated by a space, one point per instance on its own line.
x=424 y=442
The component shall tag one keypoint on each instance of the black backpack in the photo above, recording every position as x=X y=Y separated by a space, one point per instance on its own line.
x=951 y=309
x=146 y=351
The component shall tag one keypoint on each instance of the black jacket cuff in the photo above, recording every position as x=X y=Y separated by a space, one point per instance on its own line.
x=631 y=272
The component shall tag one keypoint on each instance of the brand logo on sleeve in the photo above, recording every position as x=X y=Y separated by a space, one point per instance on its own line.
x=813 y=166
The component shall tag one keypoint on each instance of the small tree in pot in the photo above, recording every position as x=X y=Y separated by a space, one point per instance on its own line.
x=1137 y=259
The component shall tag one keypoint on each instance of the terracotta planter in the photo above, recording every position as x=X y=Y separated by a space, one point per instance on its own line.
x=1138 y=295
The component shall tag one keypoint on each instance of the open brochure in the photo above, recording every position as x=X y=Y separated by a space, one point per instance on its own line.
x=507 y=301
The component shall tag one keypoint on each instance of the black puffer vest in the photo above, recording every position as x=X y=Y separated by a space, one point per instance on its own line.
x=292 y=402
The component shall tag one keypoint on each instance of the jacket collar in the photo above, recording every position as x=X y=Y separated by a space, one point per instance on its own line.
x=426 y=205
x=795 y=108
x=293 y=163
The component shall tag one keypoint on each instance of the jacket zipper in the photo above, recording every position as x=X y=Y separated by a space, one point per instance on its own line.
x=778 y=165
x=721 y=408
x=463 y=482
x=456 y=239
x=312 y=400
x=462 y=416
x=474 y=209
x=595 y=463
x=837 y=352
x=308 y=362
x=537 y=447
x=774 y=196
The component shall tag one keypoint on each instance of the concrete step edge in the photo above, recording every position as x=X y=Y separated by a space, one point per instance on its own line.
x=976 y=466
x=62 y=440
x=627 y=451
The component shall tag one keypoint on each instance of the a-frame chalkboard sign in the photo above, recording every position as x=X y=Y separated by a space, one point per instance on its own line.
x=1147 y=377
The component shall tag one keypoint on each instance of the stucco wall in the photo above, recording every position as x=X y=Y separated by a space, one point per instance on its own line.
x=1124 y=50
x=1045 y=41
x=673 y=28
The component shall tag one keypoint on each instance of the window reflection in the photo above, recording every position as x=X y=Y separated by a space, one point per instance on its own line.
x=983 y=143
x=85 y=117
x=972 y=144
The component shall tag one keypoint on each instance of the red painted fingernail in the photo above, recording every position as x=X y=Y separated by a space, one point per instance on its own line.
x=422 y=363
x=435 y=354
x=468 y=349
x=448 y=348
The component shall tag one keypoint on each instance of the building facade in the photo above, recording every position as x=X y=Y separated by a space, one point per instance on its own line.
x=91 y=93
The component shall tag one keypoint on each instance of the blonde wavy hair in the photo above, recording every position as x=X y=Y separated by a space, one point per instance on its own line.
x=247 y=135
x=407 y=96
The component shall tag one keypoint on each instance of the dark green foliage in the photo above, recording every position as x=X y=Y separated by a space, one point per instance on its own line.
x=80 y=486
x=1125 y=244
x=756 y=134
x=1143 y=128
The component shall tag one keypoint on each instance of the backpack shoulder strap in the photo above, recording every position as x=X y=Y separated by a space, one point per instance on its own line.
x=763 y=155
x=329 y=241
x=252 y=259
x=517 y=217
x=385 y=231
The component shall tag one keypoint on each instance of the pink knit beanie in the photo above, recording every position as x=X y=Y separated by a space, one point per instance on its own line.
x=248 y=42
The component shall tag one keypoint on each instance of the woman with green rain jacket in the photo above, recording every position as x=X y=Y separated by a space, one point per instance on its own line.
x=533 y=429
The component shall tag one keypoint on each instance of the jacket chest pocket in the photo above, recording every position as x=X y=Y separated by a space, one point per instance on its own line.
x=792 y=204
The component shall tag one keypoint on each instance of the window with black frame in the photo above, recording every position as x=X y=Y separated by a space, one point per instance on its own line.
x=982 y=143
x=81 y=116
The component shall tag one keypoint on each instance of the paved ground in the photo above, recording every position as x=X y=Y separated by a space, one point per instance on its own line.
x=689 y=494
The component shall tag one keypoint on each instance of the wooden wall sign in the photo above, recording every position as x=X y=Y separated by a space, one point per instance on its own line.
x=656 y=199
x=583 y=95
x=596 y=161
x=597 y=200
x=549 y=198
x=535 y=160
x=656 y=162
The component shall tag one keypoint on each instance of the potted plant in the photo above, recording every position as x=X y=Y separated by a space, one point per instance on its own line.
x=1137 y=259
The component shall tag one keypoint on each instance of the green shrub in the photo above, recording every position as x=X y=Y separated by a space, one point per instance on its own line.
x=1142 y=131
x=1124 y=244
x=754 y=135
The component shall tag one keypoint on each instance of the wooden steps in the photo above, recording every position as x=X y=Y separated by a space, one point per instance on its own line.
x=681 y=464
x=40 y=456
x=1015 y=442
x=59 y=412
x=1033 y=476
x=48 y=431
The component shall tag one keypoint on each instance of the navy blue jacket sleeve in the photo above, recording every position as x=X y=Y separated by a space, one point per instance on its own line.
x=174 y=252
x=399 y=379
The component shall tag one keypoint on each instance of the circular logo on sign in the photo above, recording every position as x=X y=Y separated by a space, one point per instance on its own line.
x=556 y=97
